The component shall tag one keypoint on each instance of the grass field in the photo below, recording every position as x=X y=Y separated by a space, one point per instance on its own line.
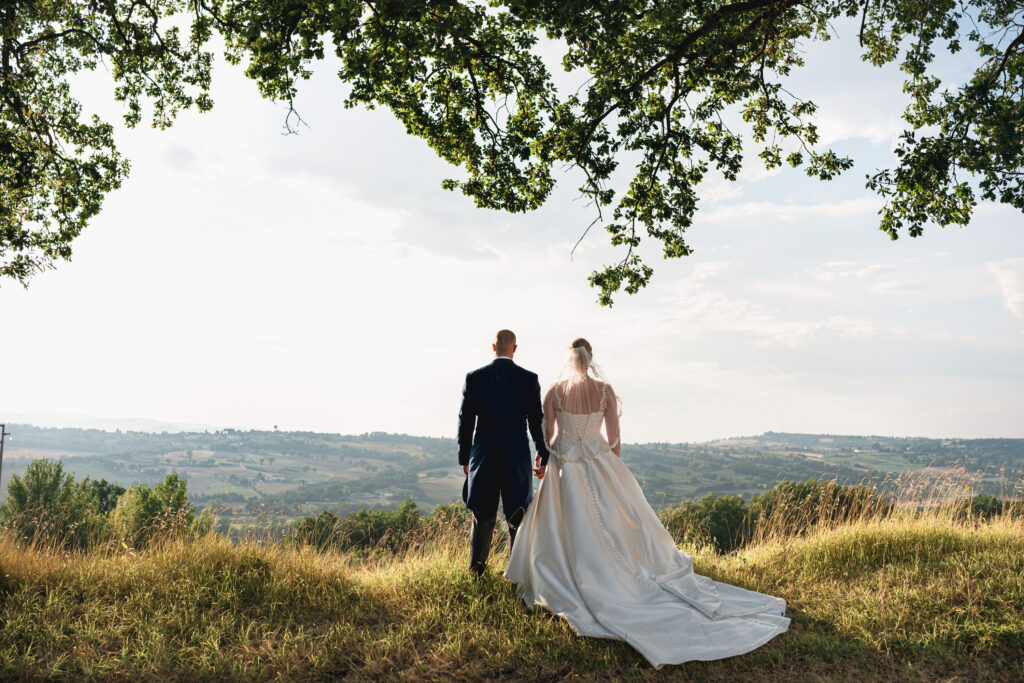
x=908 y=597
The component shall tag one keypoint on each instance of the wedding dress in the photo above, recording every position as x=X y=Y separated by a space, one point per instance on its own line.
x=592 y=550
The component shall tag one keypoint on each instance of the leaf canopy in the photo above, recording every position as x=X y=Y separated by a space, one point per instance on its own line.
x=660 y=80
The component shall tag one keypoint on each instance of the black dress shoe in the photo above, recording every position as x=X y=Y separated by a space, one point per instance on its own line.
x=480 y=544
x=513 y=526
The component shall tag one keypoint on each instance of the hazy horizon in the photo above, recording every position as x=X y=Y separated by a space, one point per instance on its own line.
x=137 y=424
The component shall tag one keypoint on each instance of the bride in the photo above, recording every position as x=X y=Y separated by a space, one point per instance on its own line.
x=592 y=550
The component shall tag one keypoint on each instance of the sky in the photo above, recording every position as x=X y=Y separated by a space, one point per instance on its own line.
x=324 y=281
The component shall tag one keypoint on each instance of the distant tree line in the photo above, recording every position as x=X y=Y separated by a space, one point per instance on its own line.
x=362 y=530
x=728 y=523
x=725 y=523
x=48 y=506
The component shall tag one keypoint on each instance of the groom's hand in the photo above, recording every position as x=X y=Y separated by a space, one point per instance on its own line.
x=465 y=470
x=538 y=471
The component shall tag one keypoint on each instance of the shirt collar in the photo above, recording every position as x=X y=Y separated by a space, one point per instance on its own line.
x=502 y=358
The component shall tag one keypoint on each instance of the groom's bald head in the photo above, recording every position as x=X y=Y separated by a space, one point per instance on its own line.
x=505 y=343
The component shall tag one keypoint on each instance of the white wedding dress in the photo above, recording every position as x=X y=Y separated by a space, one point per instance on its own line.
x=592 y=550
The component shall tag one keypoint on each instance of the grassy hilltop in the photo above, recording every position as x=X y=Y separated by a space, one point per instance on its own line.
x=907 y=596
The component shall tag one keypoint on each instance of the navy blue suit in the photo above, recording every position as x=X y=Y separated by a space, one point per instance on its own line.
x=499 y=402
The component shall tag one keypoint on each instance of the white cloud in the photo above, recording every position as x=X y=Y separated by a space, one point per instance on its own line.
x=180 y=157
x=1009 y=273
x=897 y=287
x=838 y=121
x=769 y=212
x=877 y=278
x=836 y=271
x=703 y=300
x=715 y=189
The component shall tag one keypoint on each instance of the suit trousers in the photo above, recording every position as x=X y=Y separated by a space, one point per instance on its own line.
x=482 y=496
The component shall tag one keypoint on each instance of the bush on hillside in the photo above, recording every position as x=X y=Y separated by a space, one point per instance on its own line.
x=362 y=530
x=143 y=513
x=719 y=521
x=48 y=506
x=984 y=507
x=445 y=518
x=106 y=495
x=790 y=508
x=319 y=532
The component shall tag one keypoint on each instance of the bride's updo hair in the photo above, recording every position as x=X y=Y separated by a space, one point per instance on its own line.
x=581 y=384
x=579 y=342
x=581 y=354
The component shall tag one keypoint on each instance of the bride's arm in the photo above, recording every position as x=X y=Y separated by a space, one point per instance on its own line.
x=549 y=416
x=611 y=422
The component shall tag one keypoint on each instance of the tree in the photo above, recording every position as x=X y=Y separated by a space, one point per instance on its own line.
x=362 y=530
x=658 y=81
x=143 y=512
x=105 y=495
x=46 y=505
x=56 y=163
x=792 y=507
x=982 y=506
x=721 y=521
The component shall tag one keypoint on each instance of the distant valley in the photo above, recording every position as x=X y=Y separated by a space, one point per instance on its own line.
x=290 y=474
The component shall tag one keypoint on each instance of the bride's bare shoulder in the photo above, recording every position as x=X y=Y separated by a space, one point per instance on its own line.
x=555 y=386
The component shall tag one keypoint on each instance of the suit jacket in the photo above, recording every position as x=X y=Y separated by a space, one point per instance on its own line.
x=499 y=402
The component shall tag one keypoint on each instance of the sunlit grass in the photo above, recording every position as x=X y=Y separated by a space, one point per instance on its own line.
x=906 y=595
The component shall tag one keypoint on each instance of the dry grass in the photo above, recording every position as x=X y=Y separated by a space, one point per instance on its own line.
x=906 y=596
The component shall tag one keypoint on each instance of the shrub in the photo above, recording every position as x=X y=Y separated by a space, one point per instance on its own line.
x=143 y=513
x=718 y=521
x=362 y=530
x=979 y=507
x=320 y=531
x=792 y=507
x=727 y=523
x=106 y=495
x=47 y=506
x=448 y=518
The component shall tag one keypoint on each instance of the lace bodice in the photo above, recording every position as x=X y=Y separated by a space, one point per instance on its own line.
x=575 y=434
x=580 y=427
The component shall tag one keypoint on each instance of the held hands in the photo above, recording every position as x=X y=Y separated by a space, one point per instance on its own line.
x=539 y=470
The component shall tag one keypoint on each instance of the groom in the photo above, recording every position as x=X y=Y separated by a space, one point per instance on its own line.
x=497 y=400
